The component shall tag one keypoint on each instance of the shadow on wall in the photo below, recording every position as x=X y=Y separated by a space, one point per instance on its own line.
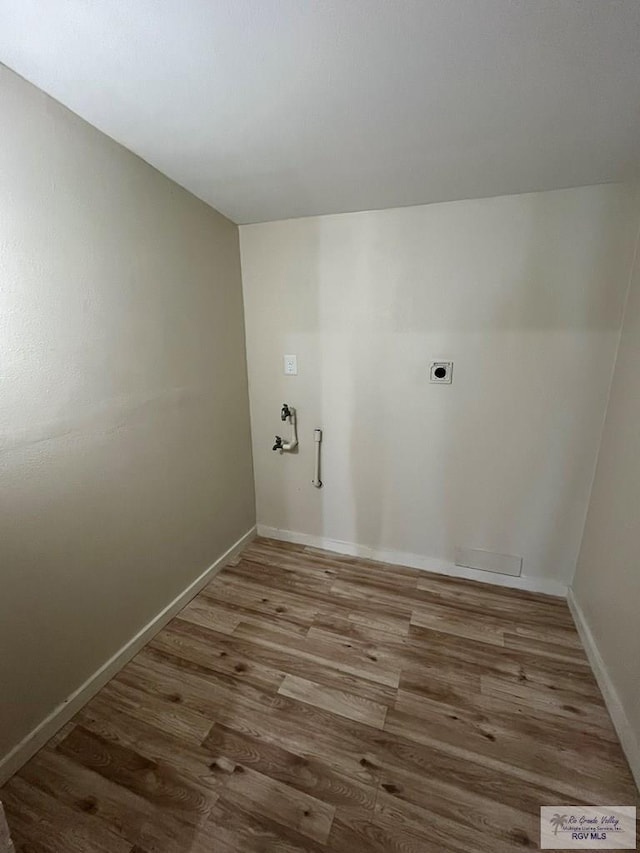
x=377 y=414
x=519 y=448
x=286 y=497
x=524 y=293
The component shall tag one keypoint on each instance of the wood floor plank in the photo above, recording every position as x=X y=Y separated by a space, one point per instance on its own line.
x=276 y=577
x=381 y=651
x=545 y=647
x=460 y=819
x=450 y=655
x=202 y=611
x=563 y=703
x=298 y=657
x=279 y=802
x=150 y=779
x=480 y=629
x=359 y=833
x=117 y=727
x=130 y=816
x=44 y=823
x=311 y=733
x=413 y=771
x=311 y=702
x=503 y=746
x=388 y=634
x=235 y=827
x=202 y=646
x=225 y=617
x=458 y=829
x=430 y=581
x=305 y=774
x=274 y=603
x=335 y=701
x=479 y=710
x=326 y=652
x=200 y=687
x=391 y=623
x=504 y=603
x=360 y=594
x=139 y=699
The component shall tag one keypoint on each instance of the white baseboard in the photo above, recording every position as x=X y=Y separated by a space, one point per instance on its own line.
x=547 y=586
x=628 y=737
x=61 y=715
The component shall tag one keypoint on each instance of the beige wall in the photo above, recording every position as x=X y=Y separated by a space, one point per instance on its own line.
x=125 y=457
x=607 y=582
x=524 y=293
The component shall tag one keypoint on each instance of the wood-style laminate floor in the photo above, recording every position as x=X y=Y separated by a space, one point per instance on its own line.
x=310 y=702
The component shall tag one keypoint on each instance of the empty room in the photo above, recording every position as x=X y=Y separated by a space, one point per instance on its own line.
x=319 y=426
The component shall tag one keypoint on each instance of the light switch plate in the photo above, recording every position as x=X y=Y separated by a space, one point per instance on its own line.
x=290 y=365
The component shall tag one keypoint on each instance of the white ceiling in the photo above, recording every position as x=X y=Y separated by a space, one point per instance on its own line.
x=270 y=109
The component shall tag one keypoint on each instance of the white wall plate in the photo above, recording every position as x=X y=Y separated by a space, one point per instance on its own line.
x=441 y=372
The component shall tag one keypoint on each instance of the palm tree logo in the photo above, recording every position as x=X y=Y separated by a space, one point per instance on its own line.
x=557 y=820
